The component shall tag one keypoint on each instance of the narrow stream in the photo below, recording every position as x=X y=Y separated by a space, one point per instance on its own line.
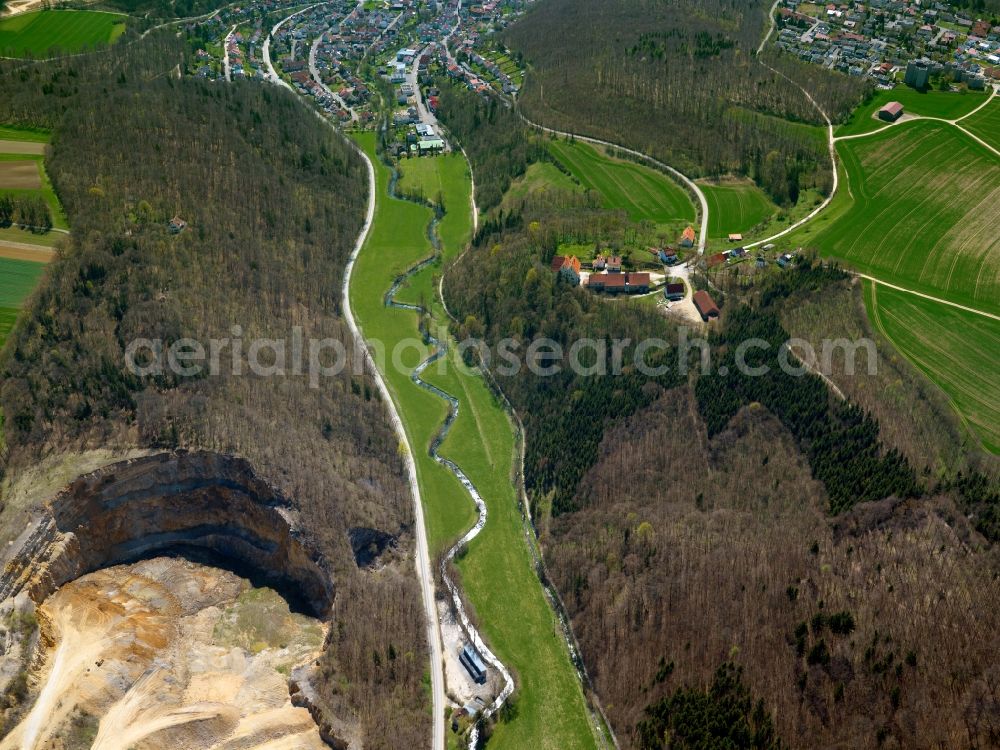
x=440 y=350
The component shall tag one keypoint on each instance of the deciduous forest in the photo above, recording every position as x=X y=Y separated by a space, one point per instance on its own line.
x=273 y=201
x=679 y=80
x=743 y=559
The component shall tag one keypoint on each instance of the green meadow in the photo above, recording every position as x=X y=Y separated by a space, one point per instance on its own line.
x=644 y=193
x=736 y=206
x=956 y=349
x=41 y=32
x=920 y=208
x=497 y=571
x=18 y=279
x=986 y=123
x=948 y=105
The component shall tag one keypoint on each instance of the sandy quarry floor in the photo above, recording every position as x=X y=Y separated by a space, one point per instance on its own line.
x=170 y=655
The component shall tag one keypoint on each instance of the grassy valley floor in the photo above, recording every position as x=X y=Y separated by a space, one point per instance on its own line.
x=498 y=575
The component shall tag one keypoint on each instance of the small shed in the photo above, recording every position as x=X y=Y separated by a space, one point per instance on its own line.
x=891 y=112
x=176 y=225
x=674 y=291
x=706 y=306
x=472 y=662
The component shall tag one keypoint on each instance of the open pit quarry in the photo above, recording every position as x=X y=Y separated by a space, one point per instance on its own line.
x=163 y=602
x=167 y=654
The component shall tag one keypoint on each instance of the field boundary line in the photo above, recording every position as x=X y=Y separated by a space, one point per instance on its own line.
x=930 y=297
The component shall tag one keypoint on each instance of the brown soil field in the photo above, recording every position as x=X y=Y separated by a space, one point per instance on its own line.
x=25 y=251
x=19 y=175
x=21 y=147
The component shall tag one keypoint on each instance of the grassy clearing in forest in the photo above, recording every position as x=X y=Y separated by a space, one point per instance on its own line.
x=644 y=193
x=735 y=206
x=17 y=280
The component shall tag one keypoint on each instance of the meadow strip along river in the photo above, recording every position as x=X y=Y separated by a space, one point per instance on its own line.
x=439 y=351
x=463 y=447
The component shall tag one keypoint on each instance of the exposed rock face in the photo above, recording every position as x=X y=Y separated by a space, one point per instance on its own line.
x=193 y=500
x=166 y=654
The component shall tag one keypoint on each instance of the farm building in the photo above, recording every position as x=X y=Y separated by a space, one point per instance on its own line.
x=667 y=255
x=629 y=283
x=637 y=283
x=891 y=112
x=614 y=264
x=567 y=266
x=674 y=291
x=706 y=307
x=473 y=663
x=784 y=260
x=715 y=260
x=688 y=237
x=736 y=237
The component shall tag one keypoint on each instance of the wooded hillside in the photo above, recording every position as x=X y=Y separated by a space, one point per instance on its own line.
x=693 y=524
x=273 y=201
x=679 y=80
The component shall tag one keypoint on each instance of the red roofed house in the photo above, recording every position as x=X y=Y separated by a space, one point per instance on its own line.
x=567 y=266
x=614 y=282
x=637 y=282
x=891 y=112
x=706 y=307
x=615 y=264
x=687 y=238
x=716 y=260
x=674 y=291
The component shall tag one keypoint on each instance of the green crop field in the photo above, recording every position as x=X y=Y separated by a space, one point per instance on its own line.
x=497 y=570
x=735 y=207
x=986 y=123
x=41 y=32
x=641 y=191
x=920 y=209
x=17 y=280
x=954 y=348
x=945 y=104
x=29 y=135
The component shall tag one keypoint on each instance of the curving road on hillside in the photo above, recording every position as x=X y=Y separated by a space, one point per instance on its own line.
x=423 y=558
x=691 y=184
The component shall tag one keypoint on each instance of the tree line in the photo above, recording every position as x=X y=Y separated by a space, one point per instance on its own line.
x=30 y=211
